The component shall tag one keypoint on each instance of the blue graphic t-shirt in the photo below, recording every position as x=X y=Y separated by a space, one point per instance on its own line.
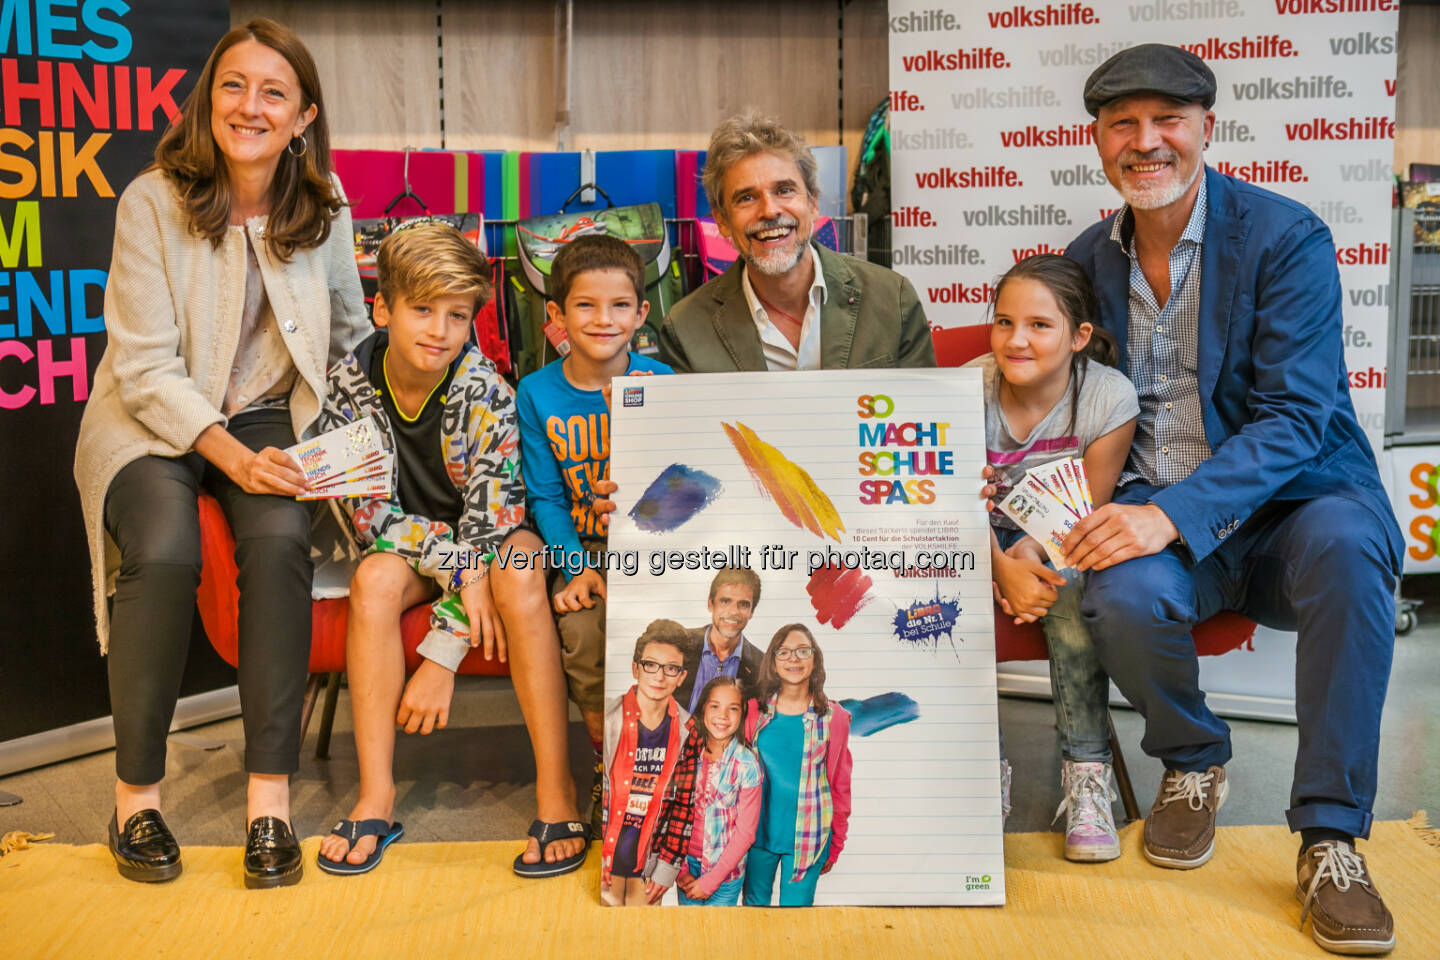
x=564 y=449
x=650 y=749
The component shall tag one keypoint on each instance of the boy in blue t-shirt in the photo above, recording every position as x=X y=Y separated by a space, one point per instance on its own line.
x=598 y=286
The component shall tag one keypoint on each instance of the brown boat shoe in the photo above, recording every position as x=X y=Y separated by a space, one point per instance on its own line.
x=1345 y=910
x=1180 y=831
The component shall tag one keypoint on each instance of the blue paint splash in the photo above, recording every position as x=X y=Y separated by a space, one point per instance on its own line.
x=880 y=712
x=924 y=622
x=674 y=497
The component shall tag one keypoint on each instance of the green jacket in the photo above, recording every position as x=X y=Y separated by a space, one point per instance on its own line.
x=871 y=318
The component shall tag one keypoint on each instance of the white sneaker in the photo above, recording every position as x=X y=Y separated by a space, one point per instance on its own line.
x=1089 y=825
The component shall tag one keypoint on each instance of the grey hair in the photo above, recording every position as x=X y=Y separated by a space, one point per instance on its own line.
x=748 y=133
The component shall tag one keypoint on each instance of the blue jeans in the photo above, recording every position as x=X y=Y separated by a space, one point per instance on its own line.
x=1078 y=684
x=1319 y=567
x=725 y=895
x=760 y=868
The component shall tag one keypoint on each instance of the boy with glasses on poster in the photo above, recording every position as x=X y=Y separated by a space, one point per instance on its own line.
x=649 y=774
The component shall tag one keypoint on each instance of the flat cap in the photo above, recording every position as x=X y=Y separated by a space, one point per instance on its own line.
x=1150 y=68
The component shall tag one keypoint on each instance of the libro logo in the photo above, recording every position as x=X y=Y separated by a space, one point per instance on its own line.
x=633 y=397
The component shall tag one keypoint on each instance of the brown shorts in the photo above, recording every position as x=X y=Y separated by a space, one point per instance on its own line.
x=582 y=642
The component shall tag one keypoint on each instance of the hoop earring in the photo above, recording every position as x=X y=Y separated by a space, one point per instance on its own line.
x=304 y=147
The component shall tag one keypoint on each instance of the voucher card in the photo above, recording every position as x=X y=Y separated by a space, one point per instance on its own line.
x=819 y=537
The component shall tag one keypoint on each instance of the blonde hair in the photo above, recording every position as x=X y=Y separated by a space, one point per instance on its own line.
x=748 y=133
x=430 y=260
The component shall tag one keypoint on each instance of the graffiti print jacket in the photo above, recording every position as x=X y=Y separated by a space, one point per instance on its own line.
x=480 y=436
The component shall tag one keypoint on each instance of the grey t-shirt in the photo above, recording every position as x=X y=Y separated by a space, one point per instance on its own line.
x=1107 y=400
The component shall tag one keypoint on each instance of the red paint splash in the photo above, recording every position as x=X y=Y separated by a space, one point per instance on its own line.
x=837 y=594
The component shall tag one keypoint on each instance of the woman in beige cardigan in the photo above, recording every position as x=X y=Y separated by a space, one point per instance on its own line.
x=232 y=285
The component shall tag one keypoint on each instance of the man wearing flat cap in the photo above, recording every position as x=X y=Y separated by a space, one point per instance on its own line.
x=1250 y=485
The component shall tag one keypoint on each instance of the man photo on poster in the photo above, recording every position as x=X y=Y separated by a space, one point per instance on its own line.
x=720 y=648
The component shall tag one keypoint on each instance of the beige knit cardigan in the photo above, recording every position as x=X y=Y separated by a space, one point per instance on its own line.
x=173 y=306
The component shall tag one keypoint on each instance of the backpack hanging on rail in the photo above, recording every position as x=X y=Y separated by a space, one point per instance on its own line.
x=540 y=239
x=870 y=191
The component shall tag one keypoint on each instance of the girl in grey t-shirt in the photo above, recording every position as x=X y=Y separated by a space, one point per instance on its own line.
x=1050 y=392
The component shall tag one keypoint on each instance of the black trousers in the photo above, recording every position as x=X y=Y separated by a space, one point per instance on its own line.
x=150 y=512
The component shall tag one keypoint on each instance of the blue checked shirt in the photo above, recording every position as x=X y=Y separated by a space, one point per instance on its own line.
x=1164 y=348
x=712 y=666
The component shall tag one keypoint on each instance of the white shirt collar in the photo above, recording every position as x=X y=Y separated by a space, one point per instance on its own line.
x=779 y=354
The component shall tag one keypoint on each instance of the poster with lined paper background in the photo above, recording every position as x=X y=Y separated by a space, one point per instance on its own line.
x=853 y=497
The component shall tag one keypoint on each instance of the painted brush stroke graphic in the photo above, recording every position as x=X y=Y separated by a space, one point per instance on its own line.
x=924 y=622
x=837 y=594
x=799 y=498
x=880 y=712
x=672 y=498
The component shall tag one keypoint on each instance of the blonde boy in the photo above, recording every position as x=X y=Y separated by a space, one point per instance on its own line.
x=450 y=420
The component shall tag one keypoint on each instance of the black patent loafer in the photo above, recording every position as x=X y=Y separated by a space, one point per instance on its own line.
x=272 y=854
x=146 y=849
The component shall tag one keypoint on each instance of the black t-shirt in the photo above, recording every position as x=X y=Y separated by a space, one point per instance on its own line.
x=422 y=484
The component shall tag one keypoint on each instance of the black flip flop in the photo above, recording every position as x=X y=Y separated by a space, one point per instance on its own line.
x=546 y=834
x=353 y=830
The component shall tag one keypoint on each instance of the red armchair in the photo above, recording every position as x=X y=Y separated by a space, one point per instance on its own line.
x=219 y=603
x=1220 y=634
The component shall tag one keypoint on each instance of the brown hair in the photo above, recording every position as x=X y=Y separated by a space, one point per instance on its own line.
x=737 y=576
x=595 y=251
x=1075 y=296
x=770 y=679
x=663 y=631
x=431 y=259
x=303 y=198
x=705 y=693
x=752 y=132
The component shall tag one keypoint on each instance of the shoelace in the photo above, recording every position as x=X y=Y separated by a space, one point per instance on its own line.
x=1088 y=796
x=1340 y=865
x=1189 y=787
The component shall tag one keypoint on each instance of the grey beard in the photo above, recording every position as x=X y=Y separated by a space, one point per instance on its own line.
x=1151 y=200
x=776 y=266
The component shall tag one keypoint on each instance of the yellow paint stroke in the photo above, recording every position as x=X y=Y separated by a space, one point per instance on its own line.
x=799 y=498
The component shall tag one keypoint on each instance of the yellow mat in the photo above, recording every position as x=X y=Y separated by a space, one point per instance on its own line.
x=437 y=900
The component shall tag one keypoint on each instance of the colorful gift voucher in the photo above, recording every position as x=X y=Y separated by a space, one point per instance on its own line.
x=800 y=655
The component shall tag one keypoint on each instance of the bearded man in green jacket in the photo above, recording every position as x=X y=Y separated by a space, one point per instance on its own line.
x=786 y=303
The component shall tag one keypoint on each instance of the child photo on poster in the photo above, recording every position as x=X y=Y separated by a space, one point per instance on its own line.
x=775 y=755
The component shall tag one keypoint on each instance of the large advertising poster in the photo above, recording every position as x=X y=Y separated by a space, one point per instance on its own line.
x=993 y=158
x=993 y=161
x=86 y=89
x=825 y=528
